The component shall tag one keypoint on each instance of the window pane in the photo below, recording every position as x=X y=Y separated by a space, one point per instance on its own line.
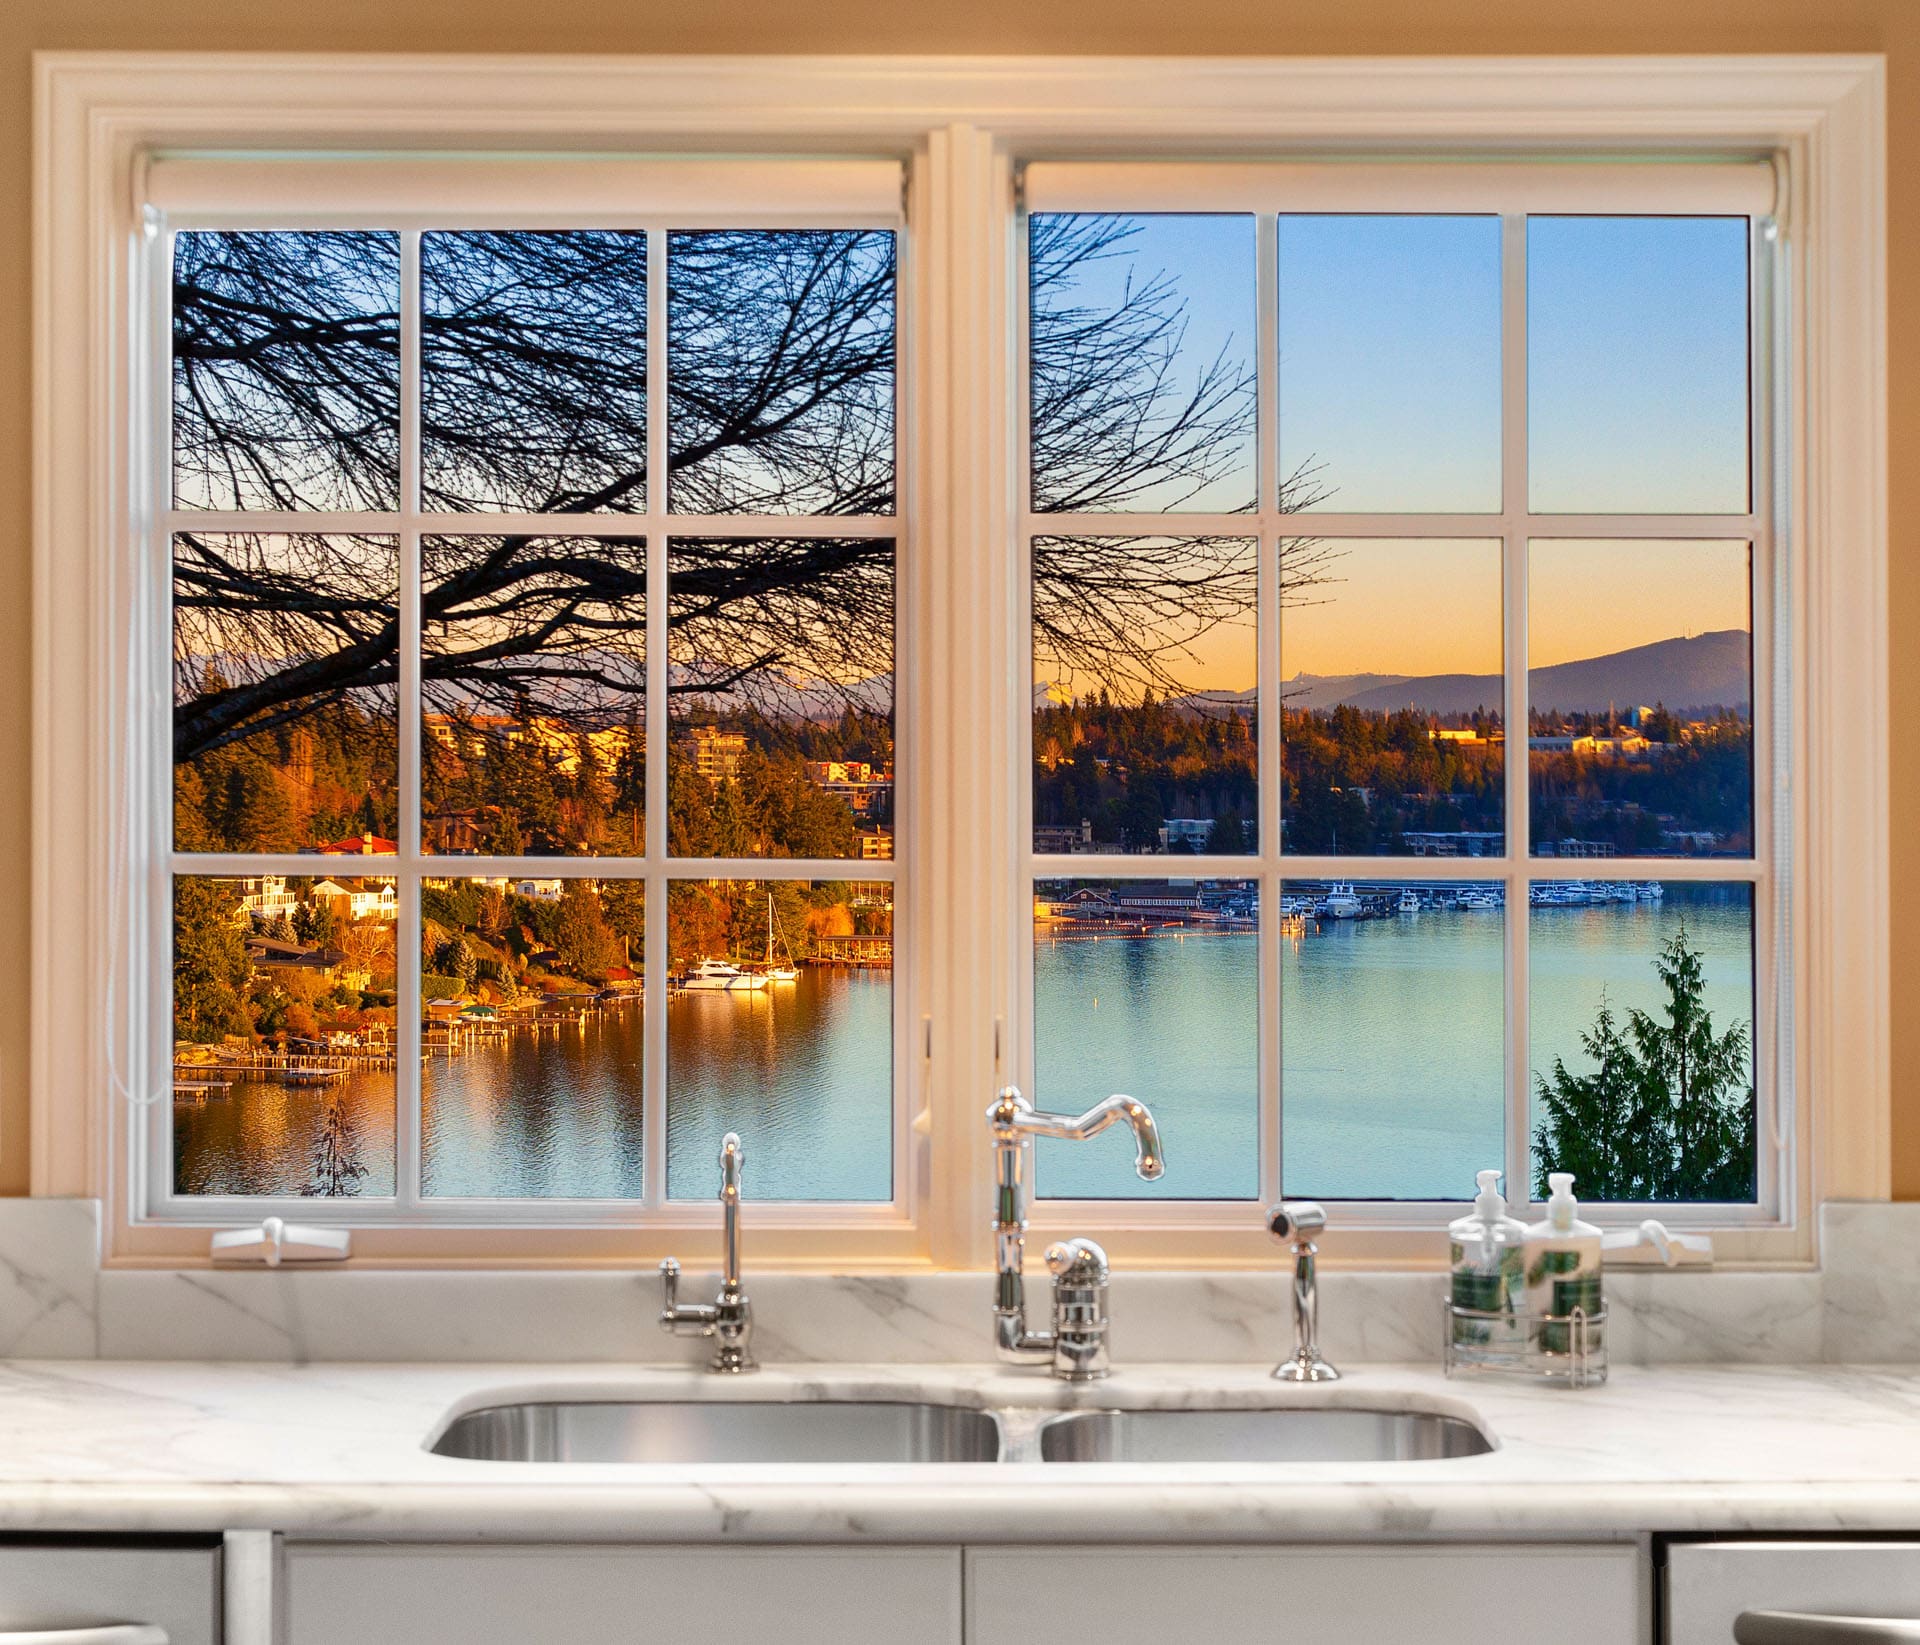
x=285 y=655
x=1640 y=699
x=533 y=352
x=533 y=659
x=781 y=697
x=780 y=1027
x=1144 y=694
x=286 y=370
x=1637 y=383
x=1642 y=1002
x=1151 y=987
x=530 y=991
x=1392 y=1037
x=1141 y=359
x=780 y=372
x=1390 y=364
x=284 y=1035
x=1391 y=710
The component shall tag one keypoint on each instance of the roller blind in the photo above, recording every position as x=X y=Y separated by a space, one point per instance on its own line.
x=1735 y=187
x=480 y=191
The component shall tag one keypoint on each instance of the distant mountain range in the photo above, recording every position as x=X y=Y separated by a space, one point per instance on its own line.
x=1688 y=675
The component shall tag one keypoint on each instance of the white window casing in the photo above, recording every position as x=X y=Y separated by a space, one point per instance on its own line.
x=197 y=139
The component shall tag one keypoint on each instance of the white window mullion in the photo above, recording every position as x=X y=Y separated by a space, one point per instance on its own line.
x=653 y=1005
x=409 y=1074
x=1269 y=748
x=1514 y=549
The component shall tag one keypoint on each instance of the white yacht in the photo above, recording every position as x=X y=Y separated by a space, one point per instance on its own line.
x=1484 y=900
x=1339 y=903
x=1408 y=903
x=723 y=977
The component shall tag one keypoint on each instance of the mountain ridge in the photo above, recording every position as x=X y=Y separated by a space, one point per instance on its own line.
x=1689 y=674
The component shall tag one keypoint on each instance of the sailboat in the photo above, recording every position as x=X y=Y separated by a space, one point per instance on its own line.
x=778 y=973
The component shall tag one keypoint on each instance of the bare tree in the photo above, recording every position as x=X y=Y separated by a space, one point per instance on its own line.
x=781 y=400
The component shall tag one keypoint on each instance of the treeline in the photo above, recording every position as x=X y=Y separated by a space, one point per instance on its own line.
x=535 y=787
x=1697 y=780
x=326 y=776
x=1356 y=780
x=1127 y=768
x=769 y=807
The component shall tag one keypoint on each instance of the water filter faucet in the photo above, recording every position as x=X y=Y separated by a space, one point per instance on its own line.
x=729 y=1318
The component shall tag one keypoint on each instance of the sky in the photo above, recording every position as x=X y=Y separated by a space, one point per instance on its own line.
x=1624 y=594
x=1389 y=381
x=1389 y=343
x=1399 y=607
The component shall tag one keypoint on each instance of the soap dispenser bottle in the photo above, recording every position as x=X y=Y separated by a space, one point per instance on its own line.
x=1563 y=1274
x=1486 y=1256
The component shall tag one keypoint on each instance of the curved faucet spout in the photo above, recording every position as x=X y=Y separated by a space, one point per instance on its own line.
x=1077 y=1344
x=1014 y=1117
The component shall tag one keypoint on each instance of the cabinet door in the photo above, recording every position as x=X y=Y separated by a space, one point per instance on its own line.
x=522 y=1595
x=49 y=1586
x=1362 y=1595
x=1710 y=1583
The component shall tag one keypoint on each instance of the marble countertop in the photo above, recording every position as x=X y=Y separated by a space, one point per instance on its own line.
x=340 y=1451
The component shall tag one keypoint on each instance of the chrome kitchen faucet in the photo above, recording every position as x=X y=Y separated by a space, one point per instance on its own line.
x=729 y=1318
x=1077 y=1343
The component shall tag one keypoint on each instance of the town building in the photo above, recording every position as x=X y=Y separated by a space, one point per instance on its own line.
x=353 y=900
x=716 y=754
x=1456 y=842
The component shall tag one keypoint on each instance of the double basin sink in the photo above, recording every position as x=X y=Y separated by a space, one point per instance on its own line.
x=694 y=1432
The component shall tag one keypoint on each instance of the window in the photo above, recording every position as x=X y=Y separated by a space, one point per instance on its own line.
x=1320 y=502
x=888 y=600
x=450 y=507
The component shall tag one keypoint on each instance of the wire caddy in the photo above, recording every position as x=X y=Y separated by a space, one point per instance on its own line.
x=1568 y=1350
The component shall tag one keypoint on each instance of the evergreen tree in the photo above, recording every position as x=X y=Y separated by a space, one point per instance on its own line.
x=580 y=934
x=1667 y=1113
x=210 y=966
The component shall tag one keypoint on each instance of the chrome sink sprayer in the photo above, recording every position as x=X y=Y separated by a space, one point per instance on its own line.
x=1077 y=1344
x=728 y=1319
x=1296 y=1223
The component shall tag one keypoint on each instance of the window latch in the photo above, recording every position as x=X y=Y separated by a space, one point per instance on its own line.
x=276 y=1241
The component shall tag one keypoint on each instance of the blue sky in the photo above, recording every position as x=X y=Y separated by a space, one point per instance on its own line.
x=1389 y=334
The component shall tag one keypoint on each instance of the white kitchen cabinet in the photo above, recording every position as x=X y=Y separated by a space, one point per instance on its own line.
x=48 y=1586
x=528 y=1595
x=1345 y=1595
x=1710 y=1584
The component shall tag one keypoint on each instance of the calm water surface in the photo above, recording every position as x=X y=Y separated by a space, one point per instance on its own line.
x=1390 y=1066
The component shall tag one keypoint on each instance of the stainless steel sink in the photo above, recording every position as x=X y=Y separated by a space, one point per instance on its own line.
x=688 y=1431
x=1319 y=1435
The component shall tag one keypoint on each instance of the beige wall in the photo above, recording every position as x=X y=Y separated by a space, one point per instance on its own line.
x=1062 y=26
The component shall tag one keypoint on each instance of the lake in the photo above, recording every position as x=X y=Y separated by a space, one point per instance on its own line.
x=1392 y=1034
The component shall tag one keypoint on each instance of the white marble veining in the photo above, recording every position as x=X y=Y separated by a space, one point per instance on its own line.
x=1862 y=1305
x=49 y=1269
x=340 y=1450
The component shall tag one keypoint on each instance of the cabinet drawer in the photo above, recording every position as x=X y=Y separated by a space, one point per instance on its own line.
x=1710 y=1583
x=47 y=1586
x=523 y=1595
x=1360 y=1595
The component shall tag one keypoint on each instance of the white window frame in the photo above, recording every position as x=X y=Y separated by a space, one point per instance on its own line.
x=965 y=126
x=1513 y=195
x=412 y=197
